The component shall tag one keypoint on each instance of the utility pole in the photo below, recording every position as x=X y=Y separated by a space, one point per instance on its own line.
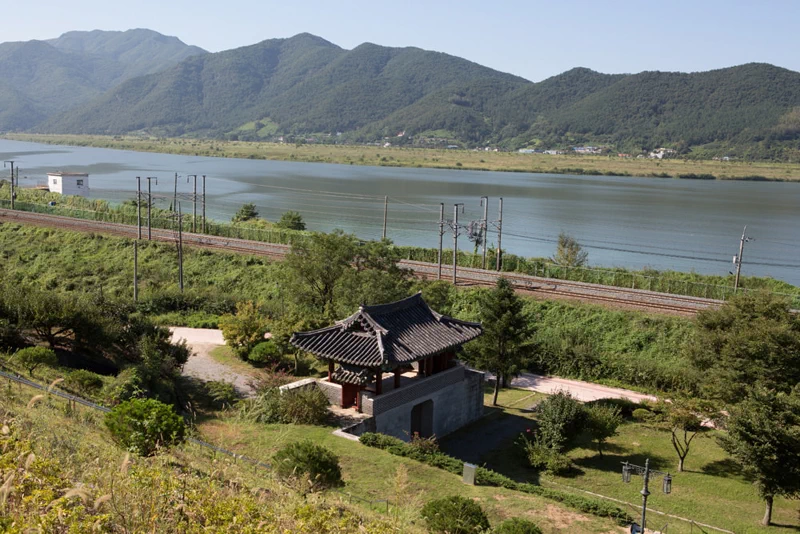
x=194 y=202
x=11 y=162
x=455 y=240
x=646 y=472
x=204 y=203
x=738 y=260
x=385 y=213
x=441 y=235
x=139 y=205
x=175 y=195
x=136 y=270
x=180 y=248
x=500 y=236
x=150 y=206
x=485 y=204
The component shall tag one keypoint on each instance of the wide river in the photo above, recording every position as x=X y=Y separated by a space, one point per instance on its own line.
x=687 y=225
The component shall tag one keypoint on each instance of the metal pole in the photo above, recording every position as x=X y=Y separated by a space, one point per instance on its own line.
x=500 y=237
x=180 y=248
x=645 y=492
x=12 y=180
x=204 y=203
x=194 y=206
x=441 y=235
x=455 y=241
x=14 y=187
x=739 y=260
x=175 y=196
x=485 y=204
x=136 y=271
x=149 y=207
x=139 y=205
x=385 y=213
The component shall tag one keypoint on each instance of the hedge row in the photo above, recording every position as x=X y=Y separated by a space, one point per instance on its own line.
x=487 y=477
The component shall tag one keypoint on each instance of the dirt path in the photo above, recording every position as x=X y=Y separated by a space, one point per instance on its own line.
x=583 y=391
x=201 y=365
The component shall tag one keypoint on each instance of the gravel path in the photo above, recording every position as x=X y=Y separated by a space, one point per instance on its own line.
x=583 y=391
x=201 y=365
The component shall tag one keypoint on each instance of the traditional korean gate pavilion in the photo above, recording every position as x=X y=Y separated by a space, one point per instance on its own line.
x=387 y=338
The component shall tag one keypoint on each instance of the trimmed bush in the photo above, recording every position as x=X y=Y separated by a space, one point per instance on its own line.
x=306 y=458
x=143 y=426
x=265 y=353
x=542 y=457
x=642 y=414
x=32 y=357
x=455 y=515
x=84 y=381
x=560 y=419
x=517 y=525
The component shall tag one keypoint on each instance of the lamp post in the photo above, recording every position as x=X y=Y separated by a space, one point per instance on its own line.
x=628 y=469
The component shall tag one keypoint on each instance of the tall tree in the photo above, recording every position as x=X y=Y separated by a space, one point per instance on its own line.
x=753 y=339
x=291 y=220
x=507 y=331
x=569 y=252
x=764 y=438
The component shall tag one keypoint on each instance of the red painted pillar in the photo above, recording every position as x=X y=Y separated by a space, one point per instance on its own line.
x=358 y=399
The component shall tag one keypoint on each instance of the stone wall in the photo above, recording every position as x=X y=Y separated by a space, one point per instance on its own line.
x=333 y=392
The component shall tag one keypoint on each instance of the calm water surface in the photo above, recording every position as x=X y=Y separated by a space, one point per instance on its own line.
x=621 y=221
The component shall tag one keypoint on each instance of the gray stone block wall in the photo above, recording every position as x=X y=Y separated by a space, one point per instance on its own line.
x=333 y=392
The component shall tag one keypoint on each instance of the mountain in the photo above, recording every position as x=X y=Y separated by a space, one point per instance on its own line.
x=305 y=86
x=41 y=78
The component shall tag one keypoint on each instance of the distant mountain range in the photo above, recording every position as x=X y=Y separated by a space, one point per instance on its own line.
x=305 y=87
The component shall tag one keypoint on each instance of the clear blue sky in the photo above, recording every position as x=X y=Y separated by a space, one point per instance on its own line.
x=533 y=39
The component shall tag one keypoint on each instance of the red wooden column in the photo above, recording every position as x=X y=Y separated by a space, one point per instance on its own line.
x=378 y=381
x=397 y=373
x=358 y=400
x=330 y=369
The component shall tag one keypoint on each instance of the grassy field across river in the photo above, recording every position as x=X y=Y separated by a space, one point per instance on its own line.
x=436 y=158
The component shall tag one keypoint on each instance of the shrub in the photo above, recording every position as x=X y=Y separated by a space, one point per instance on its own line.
x=84 y=381
x=145 y=425
x=602 y=421
x=32 y=357
x=455 y=515
x=291 y=220
x=222 y=394
x=560 y=417
x=245 y=329
x=318 y=463
x=540 y=456
x=425 y=446
x=643 y=414
x=517 y=525
x=265 y=353
x=128 y=384
x=301 y=406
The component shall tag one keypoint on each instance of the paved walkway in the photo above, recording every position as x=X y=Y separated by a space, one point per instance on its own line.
x=201 y=365
x=583 y=391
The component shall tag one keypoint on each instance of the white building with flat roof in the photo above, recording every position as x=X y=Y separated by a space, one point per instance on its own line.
x=68 y=183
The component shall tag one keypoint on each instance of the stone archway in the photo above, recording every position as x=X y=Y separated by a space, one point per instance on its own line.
x=422 y=419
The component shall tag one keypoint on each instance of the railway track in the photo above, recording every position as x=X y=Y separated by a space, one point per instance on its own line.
x=536 y=286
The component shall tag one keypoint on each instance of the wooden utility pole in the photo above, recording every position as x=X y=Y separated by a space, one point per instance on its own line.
x=441 y=235
x=385 y=213
x=139 y=205
x=485 y=204
x=500 y=236
x=150 y=206
x=204 y=203
x=455 y=241
x=136 y=270
x=180 y=248
x=11 y=162
x=738 y=259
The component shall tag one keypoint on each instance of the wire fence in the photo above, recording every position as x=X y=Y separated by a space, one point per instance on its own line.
x=374 y=504
x=511 y=263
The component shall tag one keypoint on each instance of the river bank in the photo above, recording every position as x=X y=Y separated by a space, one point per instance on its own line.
x=480 y=160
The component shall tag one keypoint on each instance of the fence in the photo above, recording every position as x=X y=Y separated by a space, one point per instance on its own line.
x=511 y=263
x=236 y=457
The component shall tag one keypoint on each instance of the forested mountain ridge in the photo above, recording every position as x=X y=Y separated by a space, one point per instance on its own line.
x=41 y=78
x=305 y=87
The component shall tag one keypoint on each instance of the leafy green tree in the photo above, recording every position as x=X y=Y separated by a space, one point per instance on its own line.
x=291 y=220
x=752 y=340
x=56 y=319
x=32 y=357
x=602 y=422
x=506 y=335
x=247 y=212
x=569 y=252
x=560 y=418
x=245 y=329
x=764 y=438
x=683 y=419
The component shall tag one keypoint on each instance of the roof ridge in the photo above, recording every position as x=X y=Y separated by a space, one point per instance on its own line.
x=402 y=304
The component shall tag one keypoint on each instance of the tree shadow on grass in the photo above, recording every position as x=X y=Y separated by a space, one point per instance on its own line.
x=612 y=462
x=726 y=468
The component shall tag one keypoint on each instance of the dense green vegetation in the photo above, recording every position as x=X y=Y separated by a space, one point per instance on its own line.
x=42 y=78
x=305 y=88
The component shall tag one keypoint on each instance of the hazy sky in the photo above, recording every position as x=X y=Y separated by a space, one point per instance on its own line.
x=534 y=39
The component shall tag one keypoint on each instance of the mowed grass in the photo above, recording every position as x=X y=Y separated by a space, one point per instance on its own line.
x=712 y=490
x=429 y=157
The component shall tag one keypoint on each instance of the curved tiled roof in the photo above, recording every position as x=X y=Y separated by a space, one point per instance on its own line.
x=388 y=335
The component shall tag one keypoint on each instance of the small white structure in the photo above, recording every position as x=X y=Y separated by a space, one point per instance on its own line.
x=68 y=183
